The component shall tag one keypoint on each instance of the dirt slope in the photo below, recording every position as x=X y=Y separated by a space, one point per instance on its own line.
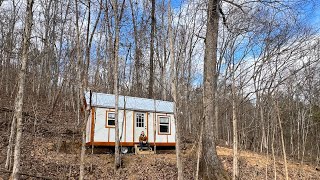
x=51 y=149
x=44 y=160
x=257 y=166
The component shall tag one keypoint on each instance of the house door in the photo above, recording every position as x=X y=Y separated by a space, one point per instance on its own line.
x=140 y=125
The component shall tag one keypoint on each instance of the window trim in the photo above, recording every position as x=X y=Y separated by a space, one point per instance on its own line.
x=107 y=119
x=158 y=124
x=144 y=120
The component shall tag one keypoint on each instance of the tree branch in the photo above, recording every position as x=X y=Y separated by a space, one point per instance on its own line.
x=234 y=4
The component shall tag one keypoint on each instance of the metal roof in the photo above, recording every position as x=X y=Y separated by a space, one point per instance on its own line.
x=131 y=103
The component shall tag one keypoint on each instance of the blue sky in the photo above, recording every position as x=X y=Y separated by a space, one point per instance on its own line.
x=312 y=14
x=311 y=11
x=176 y=3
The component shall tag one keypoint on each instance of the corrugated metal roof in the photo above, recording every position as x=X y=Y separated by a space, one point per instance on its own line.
x=132 y=103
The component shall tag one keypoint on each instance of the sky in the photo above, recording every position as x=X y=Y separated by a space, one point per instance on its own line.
x=313 y=15
x=311 y=11
x=176 y=3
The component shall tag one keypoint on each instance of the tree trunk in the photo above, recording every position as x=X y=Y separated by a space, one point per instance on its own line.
x=78 y=70
x=282 y=142
x=173 y=79
x=153 y=26
x=210 y=165
x=10 y=145
x=235 y=172
x=216 y=116
x=80 y=95
x=109 y=50
x=137 y=55
x=263 y=144
x=89 y=41
x=116 y=77
x=199 y=151
x=79 y=84
x=21 y=86
x=273 y=153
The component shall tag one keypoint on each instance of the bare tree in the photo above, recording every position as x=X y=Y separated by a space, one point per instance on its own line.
x=137 y=53
x=153 y=26
x=173 y=79
x=89 y=40
x=21 y=86
x=80 y=92
x=282 y=141
x=117 y=17
x=235 y=169
x=210 y=166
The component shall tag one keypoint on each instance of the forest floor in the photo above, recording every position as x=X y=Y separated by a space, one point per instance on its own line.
x=51 y=150
x=43 y=160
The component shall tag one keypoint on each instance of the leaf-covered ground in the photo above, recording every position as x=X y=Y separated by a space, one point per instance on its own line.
x=41 y=158
x=51 y=149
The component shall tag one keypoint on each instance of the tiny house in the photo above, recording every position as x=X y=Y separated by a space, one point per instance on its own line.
x=154 y=117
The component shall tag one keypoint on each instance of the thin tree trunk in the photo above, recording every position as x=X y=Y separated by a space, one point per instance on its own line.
x=137 y=54
x=153 y=26
x=273 y=154
x=4 y=75
x=173 y=79
x=116 y=77
x=282 y=142
x=109 y=50
x=83 y=144
x=82 y=154
x=80 y=95
x=89 y=40
x=263 y=140
x=199 y=151
x=235 y=172
x=21 y=87
x=88 y=46
x=10 y=145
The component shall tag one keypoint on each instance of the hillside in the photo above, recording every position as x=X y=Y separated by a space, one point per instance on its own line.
x=51 y=150
x=44 y=161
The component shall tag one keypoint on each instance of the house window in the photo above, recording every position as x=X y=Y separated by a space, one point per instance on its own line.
x=164 y=125
x=111 y=118
x=140 y=120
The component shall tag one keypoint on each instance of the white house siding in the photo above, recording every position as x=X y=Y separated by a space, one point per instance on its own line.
x=129 y=125
x=172 y=137
x=150 y=127
x=102 y=134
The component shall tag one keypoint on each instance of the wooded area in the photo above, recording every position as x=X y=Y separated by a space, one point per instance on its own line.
x=243 y=74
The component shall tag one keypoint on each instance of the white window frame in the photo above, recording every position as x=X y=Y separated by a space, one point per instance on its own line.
x=162 y=124
x=107 y=121
x=140 y=119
